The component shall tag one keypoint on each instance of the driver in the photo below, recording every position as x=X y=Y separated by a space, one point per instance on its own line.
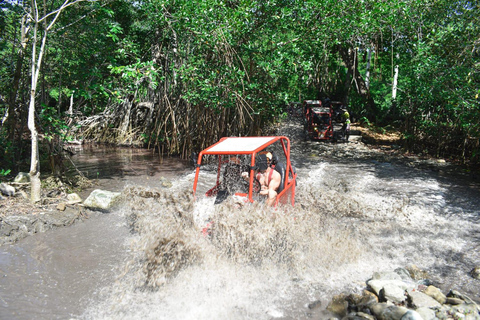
x=269 y=179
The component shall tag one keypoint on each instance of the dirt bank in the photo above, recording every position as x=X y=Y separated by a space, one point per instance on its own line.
x=20 y=218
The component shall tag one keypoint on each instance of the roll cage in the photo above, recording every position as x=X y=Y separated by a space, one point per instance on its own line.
x=238 y=154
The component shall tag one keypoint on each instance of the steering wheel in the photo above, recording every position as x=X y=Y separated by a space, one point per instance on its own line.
x=257 y=186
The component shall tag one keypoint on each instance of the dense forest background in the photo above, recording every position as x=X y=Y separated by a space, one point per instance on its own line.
x=176 y=75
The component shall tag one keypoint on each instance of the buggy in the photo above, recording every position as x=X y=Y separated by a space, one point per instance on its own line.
x=236 y=155
x=325 y=121
x=318 y=120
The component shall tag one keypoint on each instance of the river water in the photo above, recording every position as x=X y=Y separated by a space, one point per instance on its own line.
x=357 y=211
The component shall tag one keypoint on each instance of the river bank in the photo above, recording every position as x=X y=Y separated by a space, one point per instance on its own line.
x=401 y=294
x=102 y=168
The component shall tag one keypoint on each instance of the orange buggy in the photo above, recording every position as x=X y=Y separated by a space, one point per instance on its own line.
x=318 y=120
x=238 y=154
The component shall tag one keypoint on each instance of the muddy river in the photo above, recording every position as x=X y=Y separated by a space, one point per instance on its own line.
x=357 y=211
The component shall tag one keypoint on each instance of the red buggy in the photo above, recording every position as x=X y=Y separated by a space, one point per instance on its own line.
x=235 y=155
x=318 y=120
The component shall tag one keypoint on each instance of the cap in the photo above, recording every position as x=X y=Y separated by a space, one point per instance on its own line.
x=269 y=156
x=262 y=163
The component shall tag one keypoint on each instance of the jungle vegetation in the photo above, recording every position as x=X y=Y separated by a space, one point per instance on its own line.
x=176 y=75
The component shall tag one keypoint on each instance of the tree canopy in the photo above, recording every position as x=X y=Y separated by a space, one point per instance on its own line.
x=178 y=75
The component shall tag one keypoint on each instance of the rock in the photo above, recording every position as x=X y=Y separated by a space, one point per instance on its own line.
x=393 y=293
x=404 y=274
x=102 y=200
x=475 y=273
x=416 y=273
x=61 y=206
x=426 y=313
x=358 y=316
x=338 y=305
x=364 y=315
x=425 y=282
x=398 y=289
x=412 y=315
x=22 y=177
x=456 y=294
x=73 y=198
x=383 y=311
x=454 y=301
x=361 y=302
x=417 y=299
x=378 y=308
x=465 y=311
x=7 y=190
x=378 y=285
x=443 y=313
x=436 y=294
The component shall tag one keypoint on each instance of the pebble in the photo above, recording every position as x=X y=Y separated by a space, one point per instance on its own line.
x=475 y=273
x=403 y=297
x=7 y=190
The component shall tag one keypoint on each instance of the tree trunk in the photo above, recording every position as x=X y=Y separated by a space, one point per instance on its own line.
x=35 y=192
x=70 y=108
x=395 y=82
x=35 y=189
x=34 y=164
x=35 y=69
x=367 y=74
x=350 y=58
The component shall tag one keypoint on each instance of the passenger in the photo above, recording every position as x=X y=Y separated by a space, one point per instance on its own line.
x=270 y=159
x=345 y=114
x=346 y=123
x=268 y=177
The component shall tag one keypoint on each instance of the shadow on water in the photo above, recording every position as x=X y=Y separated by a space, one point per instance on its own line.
x=54 y=275
x=106 y=162
x=114 y=167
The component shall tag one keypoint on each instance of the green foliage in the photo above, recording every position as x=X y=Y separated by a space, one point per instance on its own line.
x=53 y=126
x=4 y=172
x=244 y=60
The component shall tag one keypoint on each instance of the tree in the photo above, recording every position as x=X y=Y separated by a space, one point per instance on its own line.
x=42 y=24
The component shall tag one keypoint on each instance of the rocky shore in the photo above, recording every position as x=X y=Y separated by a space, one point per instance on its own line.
x=19 y=218
x=59 y=208
x=16 y=227
x=403 y=294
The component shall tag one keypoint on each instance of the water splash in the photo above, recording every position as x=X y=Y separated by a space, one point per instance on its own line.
x=350 y=220
x=252 y=251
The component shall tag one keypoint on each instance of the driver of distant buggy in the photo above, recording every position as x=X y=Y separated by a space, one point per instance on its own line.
x=268 y=178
